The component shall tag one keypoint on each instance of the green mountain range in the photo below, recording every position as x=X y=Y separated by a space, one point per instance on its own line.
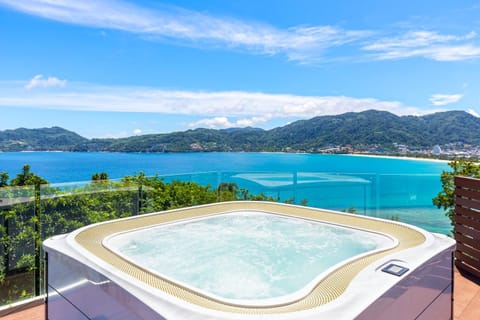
x=45 y=139
x=361 y=131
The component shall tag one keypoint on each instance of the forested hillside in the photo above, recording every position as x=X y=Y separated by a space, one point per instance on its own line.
x=358 y=130
x=45 y=139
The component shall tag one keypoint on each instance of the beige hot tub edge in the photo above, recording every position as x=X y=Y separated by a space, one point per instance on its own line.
x=327 y=290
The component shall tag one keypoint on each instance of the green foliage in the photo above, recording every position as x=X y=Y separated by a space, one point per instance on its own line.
x=96 y=202
x=18 y=240
x=4 y=179
x=363 y=129
x=228 y=192
x=352 y=210
x=45 y=139
x=34 y=211
x=395 y=217
x=27 y=178
x=303 y=202
x=360 y=130
x=15 y=287
x=446 y=198
x=100 y=176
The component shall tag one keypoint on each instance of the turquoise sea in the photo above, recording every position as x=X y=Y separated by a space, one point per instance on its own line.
x=383 y=187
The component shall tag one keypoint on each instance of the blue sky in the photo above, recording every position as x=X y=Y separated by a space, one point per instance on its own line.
x=120 y=68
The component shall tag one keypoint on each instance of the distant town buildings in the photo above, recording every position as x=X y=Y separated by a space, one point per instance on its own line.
x=447 y=151
x=451 y=150
x=437 y=150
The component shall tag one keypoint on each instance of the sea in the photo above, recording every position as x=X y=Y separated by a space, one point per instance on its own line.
x=386 y=187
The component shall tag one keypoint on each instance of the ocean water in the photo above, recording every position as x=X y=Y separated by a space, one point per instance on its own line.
x=389 y=188
x=73 y=166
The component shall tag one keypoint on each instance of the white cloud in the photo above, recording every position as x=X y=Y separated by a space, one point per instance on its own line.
x=414 y=39
x=137 y=132
x=224 y=122
x=301 y=43
x=40 y=82
x=220 y=109
x=426 y=44
x=297 y=43
x=473 y=113
x=253 y=121
x=217 y=123
x=444 y=99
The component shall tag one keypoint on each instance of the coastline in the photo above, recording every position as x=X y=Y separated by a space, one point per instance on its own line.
x=384 y=156
x=398 y=157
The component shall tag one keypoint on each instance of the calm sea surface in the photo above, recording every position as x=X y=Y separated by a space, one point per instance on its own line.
x=67 y=167
x=383 y=187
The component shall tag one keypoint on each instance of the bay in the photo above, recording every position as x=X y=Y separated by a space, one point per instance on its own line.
x=72 y=166
x=386 y=187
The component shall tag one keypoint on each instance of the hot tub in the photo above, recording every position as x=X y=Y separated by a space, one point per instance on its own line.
x=249 y=260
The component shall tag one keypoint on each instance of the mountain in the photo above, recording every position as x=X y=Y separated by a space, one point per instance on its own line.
x=245 y=139
x=44 y=139
x=366 y=128
x=361 y=131
x=380 y=128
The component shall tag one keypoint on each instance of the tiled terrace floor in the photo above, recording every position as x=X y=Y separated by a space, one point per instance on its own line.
x=466 y=303
x=466 y=297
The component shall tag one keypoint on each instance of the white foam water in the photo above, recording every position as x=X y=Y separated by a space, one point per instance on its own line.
x=246 y=255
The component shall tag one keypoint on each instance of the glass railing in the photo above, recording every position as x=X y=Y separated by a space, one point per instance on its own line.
x=28 y=215
x=17 y=243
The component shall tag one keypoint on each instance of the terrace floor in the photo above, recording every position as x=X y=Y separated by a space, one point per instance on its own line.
x=466 y=301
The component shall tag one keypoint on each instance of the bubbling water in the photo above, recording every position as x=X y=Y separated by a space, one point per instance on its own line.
x=246 y=255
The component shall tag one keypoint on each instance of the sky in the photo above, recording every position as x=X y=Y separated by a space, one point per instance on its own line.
x=112 y=68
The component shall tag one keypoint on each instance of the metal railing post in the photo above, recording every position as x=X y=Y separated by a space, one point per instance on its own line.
x=37 y=241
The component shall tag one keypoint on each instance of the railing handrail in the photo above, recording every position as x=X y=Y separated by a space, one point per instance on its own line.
x=48 y=204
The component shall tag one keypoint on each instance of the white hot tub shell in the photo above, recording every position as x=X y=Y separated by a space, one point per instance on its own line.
x=411 y=280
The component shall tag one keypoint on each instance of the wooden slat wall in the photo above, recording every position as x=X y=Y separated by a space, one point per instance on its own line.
x=467 y=224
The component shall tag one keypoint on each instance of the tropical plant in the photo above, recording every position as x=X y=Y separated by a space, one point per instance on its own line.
x=446 y=198
x=34 y=210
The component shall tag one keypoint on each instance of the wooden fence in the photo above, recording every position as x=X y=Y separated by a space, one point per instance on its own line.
x=467 y=224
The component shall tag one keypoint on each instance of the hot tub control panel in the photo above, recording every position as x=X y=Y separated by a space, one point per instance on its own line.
x=395 y=269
